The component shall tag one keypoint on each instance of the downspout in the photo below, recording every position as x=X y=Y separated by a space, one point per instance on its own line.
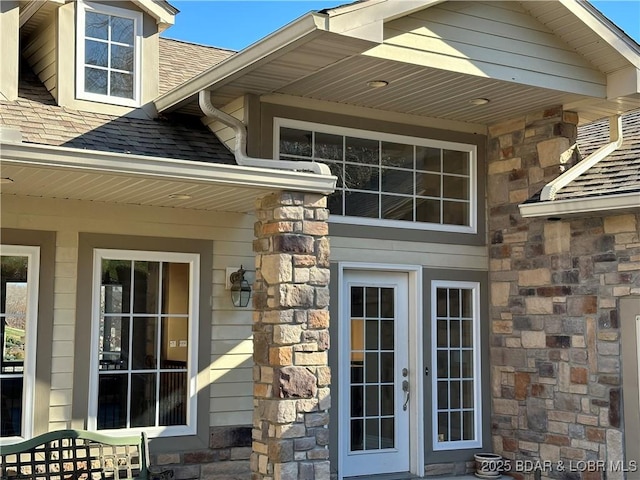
x=240 y=149
x=615 y=141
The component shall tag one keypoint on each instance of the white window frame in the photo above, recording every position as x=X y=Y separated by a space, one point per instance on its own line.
x=477 y=370
x=83 y=8
x=472 y=228
x=193 y=260
x=29 y=372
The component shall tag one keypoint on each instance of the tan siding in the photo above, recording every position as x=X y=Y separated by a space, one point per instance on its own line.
x=9 y=48
x=489 y=39
x=223 y=132
x=64 y=315
x=429 y=255
x=231 y=364
x=40 y=54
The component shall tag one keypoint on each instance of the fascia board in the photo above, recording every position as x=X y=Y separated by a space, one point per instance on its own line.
x=164 y=13
x=366 y=20
x=558 y=208
x=301 y=30
x=30 y=155
x=606 y=30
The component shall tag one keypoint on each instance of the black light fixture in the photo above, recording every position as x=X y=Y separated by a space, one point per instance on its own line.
x=240 y=288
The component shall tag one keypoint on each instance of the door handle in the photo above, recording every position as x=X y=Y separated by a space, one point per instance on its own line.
x=405 y=389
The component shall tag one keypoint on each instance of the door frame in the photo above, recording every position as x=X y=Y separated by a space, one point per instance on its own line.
x=416 y=367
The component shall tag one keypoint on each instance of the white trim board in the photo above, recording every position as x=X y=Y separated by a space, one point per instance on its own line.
x=31 y=336
x=192 y=354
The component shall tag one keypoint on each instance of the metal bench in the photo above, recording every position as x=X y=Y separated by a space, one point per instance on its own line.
x=78 y=455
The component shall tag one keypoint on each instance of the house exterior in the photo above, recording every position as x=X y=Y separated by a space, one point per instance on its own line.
x=443 y=246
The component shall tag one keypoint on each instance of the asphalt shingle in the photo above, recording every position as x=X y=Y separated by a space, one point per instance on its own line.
x=619 y=172
x=181 y=61
x=41 y=121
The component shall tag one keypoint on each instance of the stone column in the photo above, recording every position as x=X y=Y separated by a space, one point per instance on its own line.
x=291 y=338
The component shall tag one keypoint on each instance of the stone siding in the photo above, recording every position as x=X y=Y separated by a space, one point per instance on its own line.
x=555 y=286
x=291 y=339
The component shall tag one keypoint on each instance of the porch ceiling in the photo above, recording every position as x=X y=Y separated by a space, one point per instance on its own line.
x=63 y=173
x=328 y=66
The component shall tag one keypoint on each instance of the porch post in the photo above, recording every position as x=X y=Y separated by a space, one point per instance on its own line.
x=291 y=338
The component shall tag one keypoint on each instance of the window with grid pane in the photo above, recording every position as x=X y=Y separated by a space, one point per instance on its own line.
x=456 y=357
x=389 y=179
x=144 y=338
x=108 y=50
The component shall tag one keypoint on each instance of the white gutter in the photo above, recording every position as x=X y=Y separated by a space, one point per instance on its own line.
x=581 y=205
x=240 y=148
x=92 y=161
x=615 y=141
x=254 y=55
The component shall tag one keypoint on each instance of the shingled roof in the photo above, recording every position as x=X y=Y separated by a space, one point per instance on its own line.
x=619 y=172
x=38 y=118
x=181 y=61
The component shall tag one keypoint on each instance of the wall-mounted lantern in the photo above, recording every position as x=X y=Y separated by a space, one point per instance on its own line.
x=240 y=288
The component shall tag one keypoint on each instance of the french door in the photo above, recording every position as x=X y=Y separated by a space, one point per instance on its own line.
x=374 y=379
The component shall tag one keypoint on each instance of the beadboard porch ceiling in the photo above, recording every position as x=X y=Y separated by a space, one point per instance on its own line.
x=438 y=60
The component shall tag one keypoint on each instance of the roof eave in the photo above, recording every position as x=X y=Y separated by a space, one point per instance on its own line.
x=299 y=30
x=163 y=12
x=576 y=206
x=141 y=166
x=607 y=30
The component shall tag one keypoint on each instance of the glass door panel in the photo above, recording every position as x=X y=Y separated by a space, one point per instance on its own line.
x=375 y=427
x=456 y=415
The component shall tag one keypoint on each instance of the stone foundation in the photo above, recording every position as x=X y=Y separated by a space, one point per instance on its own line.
x=555 y=286
x=450 y=469
x=227 y=457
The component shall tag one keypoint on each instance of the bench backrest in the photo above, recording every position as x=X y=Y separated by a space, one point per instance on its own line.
x=77 y=455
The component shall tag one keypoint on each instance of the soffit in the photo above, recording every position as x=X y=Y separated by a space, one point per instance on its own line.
x=34 y=14
x=335 y=68
x=269 y=73
x=38 y=181
x=564 y=24
x=71 y=173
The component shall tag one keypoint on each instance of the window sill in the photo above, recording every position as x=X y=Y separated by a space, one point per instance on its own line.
x=401 y=224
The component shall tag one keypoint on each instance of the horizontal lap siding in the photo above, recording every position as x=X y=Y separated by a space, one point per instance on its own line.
x=428 y=255
x=40 y=54
x=490 y=38
x=225 y=133
x=230 y=369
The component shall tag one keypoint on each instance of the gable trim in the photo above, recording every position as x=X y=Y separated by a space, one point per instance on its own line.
x=163 y=12
x=288 y=37
x=601 y=25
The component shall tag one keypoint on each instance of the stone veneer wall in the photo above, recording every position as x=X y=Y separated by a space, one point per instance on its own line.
x=555 y=286
x=227 y=457
x=291 y=339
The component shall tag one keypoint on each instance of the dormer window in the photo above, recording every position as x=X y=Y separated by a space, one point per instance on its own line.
x=108 y=54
